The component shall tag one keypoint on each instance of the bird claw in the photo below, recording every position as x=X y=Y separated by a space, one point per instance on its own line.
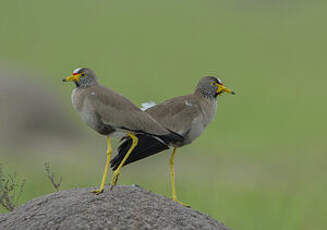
x=182 y=203
x=97 y=191
x=114 y=180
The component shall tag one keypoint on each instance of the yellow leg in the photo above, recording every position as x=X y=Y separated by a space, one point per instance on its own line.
x=172 y=176
x=100 y=190
x=116 y=172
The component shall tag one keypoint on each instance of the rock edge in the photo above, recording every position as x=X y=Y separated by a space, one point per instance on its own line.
x=125 y=207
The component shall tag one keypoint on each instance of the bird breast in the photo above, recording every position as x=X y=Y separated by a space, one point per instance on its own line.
x=77 y=99
x=84 y=109
x=208 y=112
x=209 y=109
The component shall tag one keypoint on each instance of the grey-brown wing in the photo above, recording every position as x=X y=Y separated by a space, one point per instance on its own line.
x=118 y=112
x=178 y=114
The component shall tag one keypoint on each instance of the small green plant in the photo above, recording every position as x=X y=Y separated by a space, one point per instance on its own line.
x=11 y=190
x=52 y=177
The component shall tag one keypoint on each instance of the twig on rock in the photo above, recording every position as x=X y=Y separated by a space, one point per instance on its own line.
x=52 y=177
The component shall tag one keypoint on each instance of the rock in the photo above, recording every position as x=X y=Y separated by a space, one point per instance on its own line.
x=125 y=207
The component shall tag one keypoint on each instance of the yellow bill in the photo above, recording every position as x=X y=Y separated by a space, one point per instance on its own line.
x=73 y=77
x=222 y=88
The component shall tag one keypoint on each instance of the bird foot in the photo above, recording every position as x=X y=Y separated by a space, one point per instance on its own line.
x=182 y=203
x=114 y=180
x=97 y=191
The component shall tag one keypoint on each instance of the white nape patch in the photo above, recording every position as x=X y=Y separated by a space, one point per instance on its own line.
x=92 y=93
x=147 y=105
x=188 y=103
x=77 y=70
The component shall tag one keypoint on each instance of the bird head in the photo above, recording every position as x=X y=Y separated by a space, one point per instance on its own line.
x=82 y=77
x=212 y=87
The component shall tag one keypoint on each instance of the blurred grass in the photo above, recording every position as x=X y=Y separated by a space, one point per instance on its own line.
x=260 y=164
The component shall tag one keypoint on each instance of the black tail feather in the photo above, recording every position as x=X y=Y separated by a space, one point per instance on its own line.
x=147 y=145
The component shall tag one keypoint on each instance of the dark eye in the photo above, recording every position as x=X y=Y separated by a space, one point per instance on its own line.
x=83 y=74
x=213 y=83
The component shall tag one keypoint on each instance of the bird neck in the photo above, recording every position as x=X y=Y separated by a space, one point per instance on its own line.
x=205 y=94
x=87 y=84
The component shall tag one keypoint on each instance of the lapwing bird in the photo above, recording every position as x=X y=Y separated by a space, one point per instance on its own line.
x=186 y=115
x=108 y=112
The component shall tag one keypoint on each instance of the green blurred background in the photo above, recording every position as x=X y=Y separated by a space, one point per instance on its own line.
x=261 y=164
